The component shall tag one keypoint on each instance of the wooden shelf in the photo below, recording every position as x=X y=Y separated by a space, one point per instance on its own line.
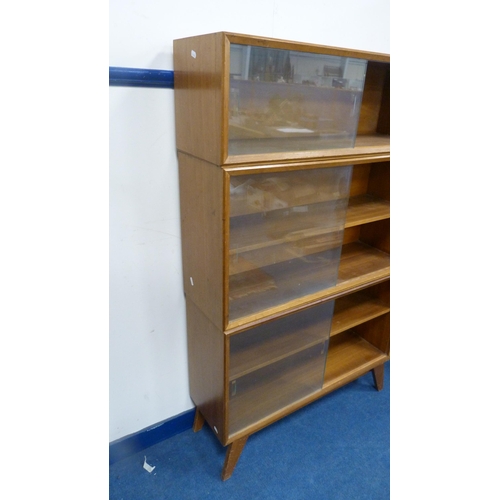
x=354 y=309
x=366 y=208
x=290 y=238
x=359 y=265
x=254 y=232
x=263 y=242
x=350 y=311
x=281 y=283
x=309 y=243
x=349 y=353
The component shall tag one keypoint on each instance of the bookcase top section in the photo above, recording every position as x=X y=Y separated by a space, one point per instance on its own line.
x=244 y=99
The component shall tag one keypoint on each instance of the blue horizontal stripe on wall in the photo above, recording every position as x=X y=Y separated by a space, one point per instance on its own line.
x=134 y=77
x=128 y=445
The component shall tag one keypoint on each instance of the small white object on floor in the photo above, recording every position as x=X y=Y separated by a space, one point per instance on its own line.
x=148 y=467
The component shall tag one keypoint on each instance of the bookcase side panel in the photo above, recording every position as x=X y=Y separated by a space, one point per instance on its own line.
x=206 y=368
x=198 y=81
x=201 y=187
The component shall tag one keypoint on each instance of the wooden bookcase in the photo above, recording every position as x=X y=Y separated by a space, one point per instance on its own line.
x=284 y=167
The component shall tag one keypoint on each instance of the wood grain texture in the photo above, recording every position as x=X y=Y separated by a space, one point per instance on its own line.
x=359 y=262
x=368 y=147
x=363 y=152
x=351 y=234
x=201 y=194
x=199 y=96
x=349 y=355
x=369 y=194
x=206 y=379
x=355 y=309
x=360 y=266
x=359 y=179
x=363 y=209
x=376 y=332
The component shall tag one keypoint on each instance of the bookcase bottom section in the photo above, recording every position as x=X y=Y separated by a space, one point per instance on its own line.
x=274 y=390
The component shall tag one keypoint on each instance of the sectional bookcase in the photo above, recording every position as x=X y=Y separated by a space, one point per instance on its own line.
x=284 y=172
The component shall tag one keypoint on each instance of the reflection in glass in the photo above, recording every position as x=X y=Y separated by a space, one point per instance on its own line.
x=282 y=100
x=277 y=364
x=286 y=233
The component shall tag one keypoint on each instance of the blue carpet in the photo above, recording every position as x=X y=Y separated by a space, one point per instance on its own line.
x=336 y=448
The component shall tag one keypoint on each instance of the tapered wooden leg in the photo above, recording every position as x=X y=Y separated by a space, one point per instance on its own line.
x=232 y=455
x=199 y=420
x=378 y=377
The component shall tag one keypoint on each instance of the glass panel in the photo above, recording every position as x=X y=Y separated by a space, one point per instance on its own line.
x=276 y=364
x=286 y=233
x=283 y=100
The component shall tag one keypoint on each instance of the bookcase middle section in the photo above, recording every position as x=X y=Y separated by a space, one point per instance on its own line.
x=285 y=236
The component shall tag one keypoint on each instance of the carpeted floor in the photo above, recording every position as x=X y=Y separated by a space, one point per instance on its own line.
x=336 y=448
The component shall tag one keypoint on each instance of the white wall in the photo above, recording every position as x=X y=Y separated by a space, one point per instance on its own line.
x=147 y=341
